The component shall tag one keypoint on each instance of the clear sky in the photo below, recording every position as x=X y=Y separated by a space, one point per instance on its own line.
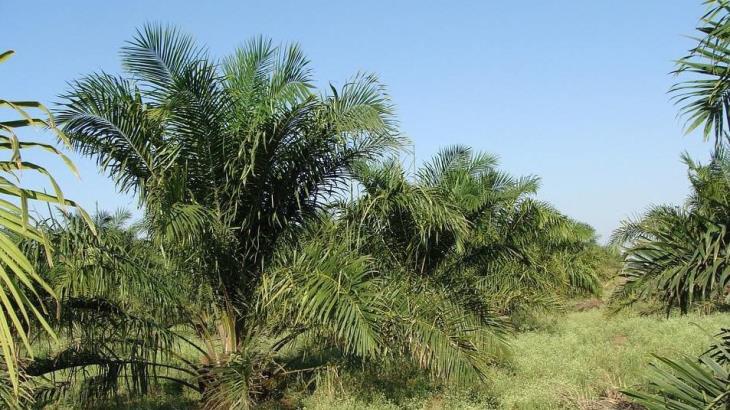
x=572 y=91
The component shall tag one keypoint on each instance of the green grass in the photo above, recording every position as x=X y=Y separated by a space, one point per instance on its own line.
x=589 y=356
x=580 y=361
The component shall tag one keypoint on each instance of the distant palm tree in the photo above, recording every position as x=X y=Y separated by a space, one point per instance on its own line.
x=679 y=254
x=475 y=230
x=124 y=305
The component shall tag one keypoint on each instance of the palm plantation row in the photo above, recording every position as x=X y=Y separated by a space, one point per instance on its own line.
x=281 y=237
x=283 y=241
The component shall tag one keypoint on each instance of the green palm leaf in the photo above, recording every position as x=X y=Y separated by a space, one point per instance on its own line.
x=20 y=285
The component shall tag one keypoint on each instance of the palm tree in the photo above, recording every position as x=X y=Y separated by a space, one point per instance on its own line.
x=234 y=163
x=465 y=226
x=21 y=288
x=679 y=255
x=236 y=155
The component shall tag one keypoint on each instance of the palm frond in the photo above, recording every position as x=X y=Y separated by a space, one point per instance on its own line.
x=21 y=287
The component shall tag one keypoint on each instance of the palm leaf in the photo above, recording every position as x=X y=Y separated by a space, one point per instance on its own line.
x=19 y=282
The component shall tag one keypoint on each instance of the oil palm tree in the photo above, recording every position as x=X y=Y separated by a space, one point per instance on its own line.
x=236 y=154
x=469 y=228
x=235 y=164
x=132 y=318
x=518 y=248
x=679 y=254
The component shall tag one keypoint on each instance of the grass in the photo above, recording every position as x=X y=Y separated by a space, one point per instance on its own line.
x=578 y=361
x=588 y=356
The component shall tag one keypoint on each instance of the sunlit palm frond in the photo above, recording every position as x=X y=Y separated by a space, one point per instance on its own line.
x=105 y=118
x=158 y=55
x=705 y=96
x=21 y=287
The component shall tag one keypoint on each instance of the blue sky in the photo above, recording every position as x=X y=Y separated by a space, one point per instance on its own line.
x=572 y=91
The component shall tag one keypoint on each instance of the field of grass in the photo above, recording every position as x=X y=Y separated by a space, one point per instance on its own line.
x=576 y=360
x=579 y=360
